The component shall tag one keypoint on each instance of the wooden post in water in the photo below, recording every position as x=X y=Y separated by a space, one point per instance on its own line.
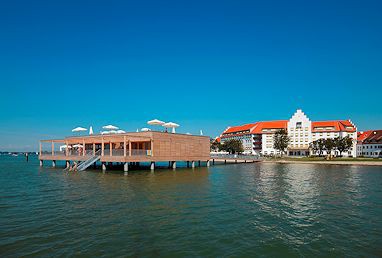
x=83 y=147
x=124 y=145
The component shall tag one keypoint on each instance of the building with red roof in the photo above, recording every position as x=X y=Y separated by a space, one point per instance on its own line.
x=258 y=137
x=369 y=144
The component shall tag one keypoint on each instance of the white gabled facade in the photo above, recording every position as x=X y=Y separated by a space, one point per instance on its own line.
x=300 y=134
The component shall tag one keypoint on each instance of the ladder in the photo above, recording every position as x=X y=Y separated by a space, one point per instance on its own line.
x=85 y=164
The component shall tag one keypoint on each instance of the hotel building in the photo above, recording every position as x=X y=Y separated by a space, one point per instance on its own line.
x=257 y=138
x=369 y=144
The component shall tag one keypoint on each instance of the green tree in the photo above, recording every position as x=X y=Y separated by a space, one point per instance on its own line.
x=343 y=144
x=318 y=146
x=233 y=146
x=281 y=141
x=329 y=146
x=214 y=145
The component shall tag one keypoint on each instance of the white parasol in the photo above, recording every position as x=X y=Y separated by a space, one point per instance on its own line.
x=79 y=129
x=145 y=129
x=110 y=127
x=171 y=125
x=91 y=130
x=62 y=147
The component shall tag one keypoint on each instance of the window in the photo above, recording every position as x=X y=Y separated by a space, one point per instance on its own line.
x=298 y=125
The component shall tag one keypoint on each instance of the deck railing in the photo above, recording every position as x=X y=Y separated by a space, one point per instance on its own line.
x=115 y=152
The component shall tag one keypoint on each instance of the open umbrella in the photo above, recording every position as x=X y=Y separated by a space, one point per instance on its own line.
x=62 y=147
x=155 y=122
x=78 y=146
x=110 y=127
x=145 y=129
x=105 y=132
x=121 y=131
x=171 y=125
x=79 y=129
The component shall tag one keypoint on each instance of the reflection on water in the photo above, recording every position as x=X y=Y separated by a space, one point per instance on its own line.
x=225 y=210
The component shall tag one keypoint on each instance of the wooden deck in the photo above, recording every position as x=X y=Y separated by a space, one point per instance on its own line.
x=129 y=147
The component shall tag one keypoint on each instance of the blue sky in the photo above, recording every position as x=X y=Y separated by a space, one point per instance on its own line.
x=203 y=64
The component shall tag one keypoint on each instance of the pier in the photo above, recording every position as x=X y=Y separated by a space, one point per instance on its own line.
x=234 y=158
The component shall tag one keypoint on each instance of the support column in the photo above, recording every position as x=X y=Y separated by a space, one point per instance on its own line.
x=40 y=149
x=193 y=164
x=67 y=164
x=124 y=145
x=102 y=147
x=111 y=149
x=83 y=148
x=52 y=148
x=208 y=163
x=129 y=148
x=41 y=162
x=67 y=149
x=152 y=147
x=94 y=149
x=174 y=165
x=125 y=168
x=53 y=163
x=103 y=166
x=152 y=165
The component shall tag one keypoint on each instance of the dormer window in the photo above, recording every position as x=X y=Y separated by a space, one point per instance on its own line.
x=299 y=125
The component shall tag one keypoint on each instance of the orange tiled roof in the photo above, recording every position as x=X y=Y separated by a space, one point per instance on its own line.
x=374 y=137
x=256 y=128
x=280 y=124
x=241 y=128
x=361 y=136
x=337 y=125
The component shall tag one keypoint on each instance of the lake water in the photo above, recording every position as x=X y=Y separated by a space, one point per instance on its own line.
x=225 y=210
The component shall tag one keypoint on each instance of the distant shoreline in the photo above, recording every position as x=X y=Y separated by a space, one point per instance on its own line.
x=326 y=162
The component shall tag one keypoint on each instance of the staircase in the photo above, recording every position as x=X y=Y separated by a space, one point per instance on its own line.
x=85 y=164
